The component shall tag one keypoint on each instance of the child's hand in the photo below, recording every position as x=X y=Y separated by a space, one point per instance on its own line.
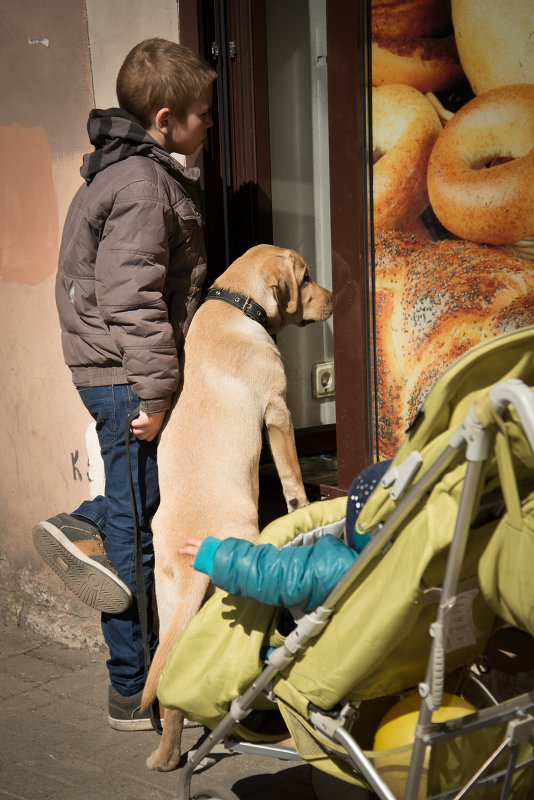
x=190 y=547
x=147 y=427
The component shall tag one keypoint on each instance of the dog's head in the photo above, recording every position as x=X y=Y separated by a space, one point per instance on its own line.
x=279 y=280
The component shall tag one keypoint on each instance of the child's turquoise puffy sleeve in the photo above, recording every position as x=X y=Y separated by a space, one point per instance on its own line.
x=299 y=577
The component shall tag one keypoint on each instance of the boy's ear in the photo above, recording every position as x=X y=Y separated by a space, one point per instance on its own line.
x=161 y=120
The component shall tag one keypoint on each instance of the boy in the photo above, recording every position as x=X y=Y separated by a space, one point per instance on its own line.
x=131 y=268
x=296 y=577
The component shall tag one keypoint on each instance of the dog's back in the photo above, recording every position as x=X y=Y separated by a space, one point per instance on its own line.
x=209 y=451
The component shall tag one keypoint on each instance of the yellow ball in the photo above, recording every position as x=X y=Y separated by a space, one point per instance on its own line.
x=397 y=730
x=398 y=725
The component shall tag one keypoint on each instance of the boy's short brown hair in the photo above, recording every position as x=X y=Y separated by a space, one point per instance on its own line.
x=157 y=74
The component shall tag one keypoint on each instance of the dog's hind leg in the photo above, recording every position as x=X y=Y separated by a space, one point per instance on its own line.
x=167 y=756
x=180 y=594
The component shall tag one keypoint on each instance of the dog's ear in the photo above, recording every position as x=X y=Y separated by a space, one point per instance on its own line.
x=281 y=278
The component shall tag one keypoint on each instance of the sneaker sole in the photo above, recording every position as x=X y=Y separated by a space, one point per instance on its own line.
x=130 y=724
x=91 y=583
x=143 y=724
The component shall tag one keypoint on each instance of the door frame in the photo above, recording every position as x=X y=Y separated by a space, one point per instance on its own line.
x=350 y=137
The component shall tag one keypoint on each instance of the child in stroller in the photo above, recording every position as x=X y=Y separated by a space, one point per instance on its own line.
x=300 y=577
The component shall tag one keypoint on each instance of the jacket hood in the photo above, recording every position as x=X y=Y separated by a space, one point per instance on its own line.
x=117 y=135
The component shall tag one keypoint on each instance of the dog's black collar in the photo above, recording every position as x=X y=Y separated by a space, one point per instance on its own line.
x=244 y=304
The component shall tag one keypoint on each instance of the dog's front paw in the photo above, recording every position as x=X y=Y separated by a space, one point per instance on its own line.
x=295 y=503
x=163 y=763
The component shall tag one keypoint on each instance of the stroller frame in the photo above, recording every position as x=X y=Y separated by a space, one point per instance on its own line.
x=475 y=439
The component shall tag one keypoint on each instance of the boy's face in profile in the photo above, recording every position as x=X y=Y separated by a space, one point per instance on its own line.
x=187 y=135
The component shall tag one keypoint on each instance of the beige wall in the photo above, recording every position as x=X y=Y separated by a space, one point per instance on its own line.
x=58 y=58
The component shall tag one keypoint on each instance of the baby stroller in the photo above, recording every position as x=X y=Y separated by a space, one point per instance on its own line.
x=448 y=562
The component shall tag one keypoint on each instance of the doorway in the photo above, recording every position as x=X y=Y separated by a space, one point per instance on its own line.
x=288 y=164
x=300 y=191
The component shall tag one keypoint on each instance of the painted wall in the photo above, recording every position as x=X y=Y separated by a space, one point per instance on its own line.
x=58 y=58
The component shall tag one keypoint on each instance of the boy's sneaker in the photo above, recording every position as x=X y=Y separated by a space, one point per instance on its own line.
x=124 y=713
x=74 y=549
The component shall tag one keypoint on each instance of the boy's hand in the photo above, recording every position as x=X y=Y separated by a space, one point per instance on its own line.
x=147 y=427
x=190 y=547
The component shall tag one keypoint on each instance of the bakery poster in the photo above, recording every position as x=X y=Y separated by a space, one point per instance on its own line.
x=453 y=189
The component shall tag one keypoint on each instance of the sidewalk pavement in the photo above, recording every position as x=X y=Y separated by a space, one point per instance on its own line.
x=56 y=743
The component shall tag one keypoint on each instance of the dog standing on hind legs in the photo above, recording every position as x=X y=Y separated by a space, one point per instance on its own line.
x=208 y=457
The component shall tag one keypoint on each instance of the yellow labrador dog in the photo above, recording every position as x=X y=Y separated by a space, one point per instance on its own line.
x=208 y=457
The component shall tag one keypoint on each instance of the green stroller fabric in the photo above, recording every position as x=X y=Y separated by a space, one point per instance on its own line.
x=504 y=567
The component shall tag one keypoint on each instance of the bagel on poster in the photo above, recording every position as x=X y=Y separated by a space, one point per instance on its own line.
x=481 y=170
x=412 y=43
x=434 y=301
x=495 y=41
x=405 y=19
x=405 y=128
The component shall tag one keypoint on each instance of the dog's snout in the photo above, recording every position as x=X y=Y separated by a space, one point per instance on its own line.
x=327 y=304
x=318 y=306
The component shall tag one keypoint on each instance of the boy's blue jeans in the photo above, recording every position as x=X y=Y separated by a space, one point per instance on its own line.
x=112 y=514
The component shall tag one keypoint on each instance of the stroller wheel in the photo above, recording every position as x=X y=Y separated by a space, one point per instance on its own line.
x=214 y=794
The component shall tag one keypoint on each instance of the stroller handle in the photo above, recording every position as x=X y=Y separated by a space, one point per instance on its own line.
x=515 y=392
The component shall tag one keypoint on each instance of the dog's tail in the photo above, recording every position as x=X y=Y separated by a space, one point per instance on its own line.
x=185 y=610
x=156 y=667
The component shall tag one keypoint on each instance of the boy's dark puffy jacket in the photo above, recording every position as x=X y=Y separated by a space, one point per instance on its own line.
x=132 y=263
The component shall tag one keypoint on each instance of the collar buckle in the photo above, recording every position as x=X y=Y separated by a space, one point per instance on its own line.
x=245 y=304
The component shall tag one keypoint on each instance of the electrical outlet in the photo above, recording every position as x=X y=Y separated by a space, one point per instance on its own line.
x=323 y=380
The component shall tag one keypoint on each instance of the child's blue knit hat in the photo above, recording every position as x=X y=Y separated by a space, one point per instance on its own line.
x=361 y=488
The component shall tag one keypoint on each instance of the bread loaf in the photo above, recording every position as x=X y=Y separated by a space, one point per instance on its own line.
x=434 y=301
